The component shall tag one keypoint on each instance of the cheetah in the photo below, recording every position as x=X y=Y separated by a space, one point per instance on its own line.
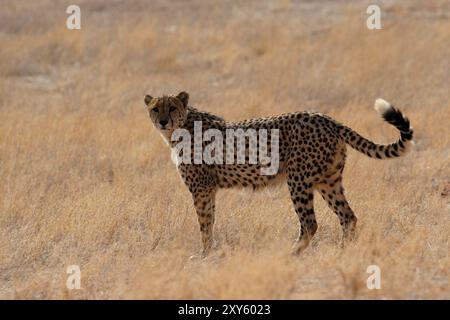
x=311 y=152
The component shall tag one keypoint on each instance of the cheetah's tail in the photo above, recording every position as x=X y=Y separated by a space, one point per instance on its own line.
x=394 y=117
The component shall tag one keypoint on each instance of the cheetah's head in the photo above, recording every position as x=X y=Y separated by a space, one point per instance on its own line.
x=167 y=112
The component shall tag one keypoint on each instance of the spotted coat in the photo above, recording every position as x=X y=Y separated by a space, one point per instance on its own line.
x=312 y=152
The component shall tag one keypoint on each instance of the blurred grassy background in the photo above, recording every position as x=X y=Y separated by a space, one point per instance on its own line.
x=86 y=179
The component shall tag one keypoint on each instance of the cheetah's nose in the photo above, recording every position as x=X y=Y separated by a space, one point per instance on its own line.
x=163 y=122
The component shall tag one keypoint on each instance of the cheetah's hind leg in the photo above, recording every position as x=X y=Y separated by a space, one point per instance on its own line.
x=333 y=194
x=302 y=195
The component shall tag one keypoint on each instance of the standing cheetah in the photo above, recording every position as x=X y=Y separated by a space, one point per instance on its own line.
x=311 y=154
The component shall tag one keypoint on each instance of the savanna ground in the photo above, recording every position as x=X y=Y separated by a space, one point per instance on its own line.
x=86 y=180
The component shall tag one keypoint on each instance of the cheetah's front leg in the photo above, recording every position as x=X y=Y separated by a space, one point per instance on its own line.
x=204 y=202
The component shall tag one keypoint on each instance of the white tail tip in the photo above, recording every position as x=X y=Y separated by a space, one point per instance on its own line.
x=382 y=106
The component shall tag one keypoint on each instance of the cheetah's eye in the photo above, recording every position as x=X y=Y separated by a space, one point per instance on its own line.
x=172 y=109
x=155 y=109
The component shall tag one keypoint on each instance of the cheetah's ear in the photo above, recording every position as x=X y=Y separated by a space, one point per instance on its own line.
x=148 y=99
x=183 y=97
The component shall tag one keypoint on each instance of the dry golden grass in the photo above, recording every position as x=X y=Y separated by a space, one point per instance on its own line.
x=86 y=180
